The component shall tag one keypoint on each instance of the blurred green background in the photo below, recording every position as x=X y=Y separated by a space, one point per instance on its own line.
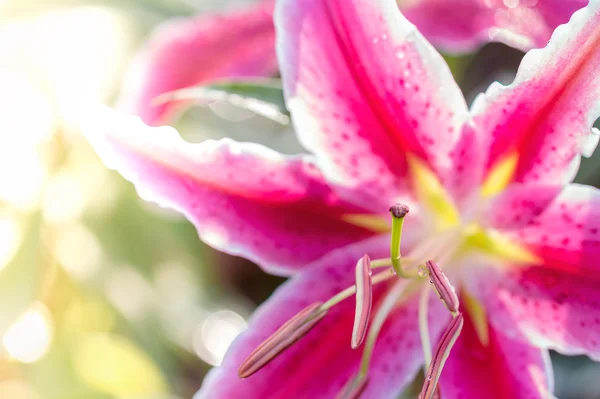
x=103 y=295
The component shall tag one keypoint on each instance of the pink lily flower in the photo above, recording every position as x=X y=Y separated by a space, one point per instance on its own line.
x=192 y=51
x=490 y=199
x=463 y=25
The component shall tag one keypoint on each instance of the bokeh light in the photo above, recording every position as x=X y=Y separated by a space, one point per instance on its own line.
x=28 y=339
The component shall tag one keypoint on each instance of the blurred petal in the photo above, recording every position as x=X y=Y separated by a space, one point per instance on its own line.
x=190 y=51
x=463 y=25
x=244 y=199
x=549 y=308
x=566 y=236
x=365 y=88
x=320 y=364
x=505 y=368
x=543 y=121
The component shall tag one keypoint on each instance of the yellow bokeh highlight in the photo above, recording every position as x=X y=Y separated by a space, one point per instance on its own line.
x=116 y=366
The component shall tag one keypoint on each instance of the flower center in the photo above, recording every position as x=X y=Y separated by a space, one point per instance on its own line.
x=443 y=246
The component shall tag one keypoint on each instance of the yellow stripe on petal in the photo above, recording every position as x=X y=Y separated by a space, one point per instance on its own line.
x=478 y=316
x=500 y=175
x=498 y=246
x=376 y=224
x=431 y=193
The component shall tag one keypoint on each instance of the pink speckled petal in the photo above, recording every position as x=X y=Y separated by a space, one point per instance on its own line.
x=549 y=308
x=321 y=363
x=522 y=24
x=546 y=115
x=518 y=205
x=503 y=369
x=190 y=51
x=244 y=199
x=365 y=88
x=567 y=234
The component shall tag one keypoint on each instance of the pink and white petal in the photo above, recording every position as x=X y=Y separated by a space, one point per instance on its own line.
x=518 y=205
x=523 y=25
x=189 y=51
x=545 y=116
x=244 y=199
x=505 y=368
x=320 y=364
x=549 y=308
x=365 y=88
x=566 y=236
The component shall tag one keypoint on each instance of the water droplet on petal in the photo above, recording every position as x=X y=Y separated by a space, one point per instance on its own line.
x=422 y=271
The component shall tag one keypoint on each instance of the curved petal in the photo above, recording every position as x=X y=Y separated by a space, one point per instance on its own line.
x=190 y=51
x=320 y=364
x=504 y=368
x=523 y=25
x=549 y=308
x=566 y=236
x=365 y=88
x=542 y=123
x=244 y=199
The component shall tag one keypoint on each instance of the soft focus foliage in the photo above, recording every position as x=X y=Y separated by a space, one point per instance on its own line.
x=103 y=295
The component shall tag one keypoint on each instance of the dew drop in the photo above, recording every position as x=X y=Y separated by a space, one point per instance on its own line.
x=422 y=271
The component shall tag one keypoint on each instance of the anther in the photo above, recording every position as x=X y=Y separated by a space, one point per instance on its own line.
x=442 y=286
x=364 y=297
x=398 y=211
x=442 y=351
x=294 y=329
x=353 y=388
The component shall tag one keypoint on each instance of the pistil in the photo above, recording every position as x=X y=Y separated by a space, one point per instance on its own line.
x=399 y=212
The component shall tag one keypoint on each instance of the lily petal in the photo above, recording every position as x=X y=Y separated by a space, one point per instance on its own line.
x=541 y=124
x=365 y=88
x=566 y=236
x=549 y=308
x=519 y=205
x=320 y=364
x=505 y=368
x=244 y=199
x=190 y=51
x=523 y=25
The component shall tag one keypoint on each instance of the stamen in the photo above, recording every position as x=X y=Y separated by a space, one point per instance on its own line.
x=375 y=263
x=294 y=329
x=340 y=296
x=442 y=286
x=398 y=211
x=364 y=297
x=442 y=351
x=353 y=388
x=388 y=304
x=424 y=324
